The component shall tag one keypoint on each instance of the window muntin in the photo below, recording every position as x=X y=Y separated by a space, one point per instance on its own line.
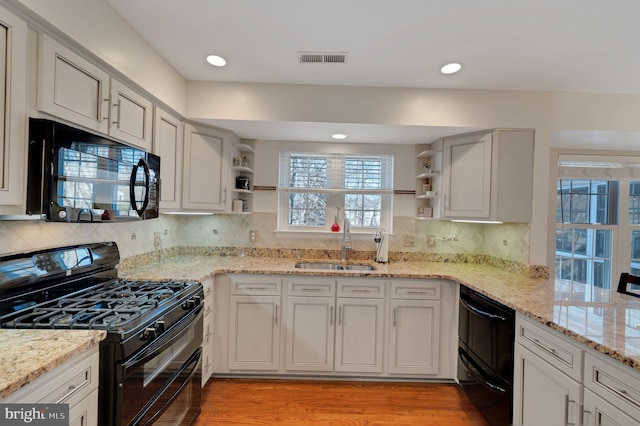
x=312 y=186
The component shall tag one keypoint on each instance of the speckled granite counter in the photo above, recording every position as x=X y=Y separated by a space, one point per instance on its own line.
x=603 y=320
x=28 y=354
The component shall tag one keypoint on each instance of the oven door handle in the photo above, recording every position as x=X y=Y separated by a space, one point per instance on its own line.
x=147 y=186
x=192 y=361
x=480 y=312
x=477 y=372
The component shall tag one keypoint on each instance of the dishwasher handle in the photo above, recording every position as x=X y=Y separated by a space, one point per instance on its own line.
x=467 y=304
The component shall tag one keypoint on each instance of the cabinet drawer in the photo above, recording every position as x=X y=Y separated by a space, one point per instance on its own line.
x=264 y=285
x=550 y=346
x=68 y=383
x=311 y=286
x=617 y=384
x=415 y=289
x=364 y=288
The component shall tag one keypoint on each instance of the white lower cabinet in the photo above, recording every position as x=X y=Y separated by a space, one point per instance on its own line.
x=611 y=392
x=332 y=326
x=309 y=333
x=207 y=331
x=547 y=396
x=547 y=383
x=414 y=327
x=329 y=330
x=253 y=322
x=359 y=335
x=75 y=383
x=599 y=412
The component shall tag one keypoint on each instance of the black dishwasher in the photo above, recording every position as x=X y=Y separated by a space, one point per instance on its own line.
x=485 y=355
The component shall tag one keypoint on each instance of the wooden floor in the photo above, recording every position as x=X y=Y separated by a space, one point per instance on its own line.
x=271 y=402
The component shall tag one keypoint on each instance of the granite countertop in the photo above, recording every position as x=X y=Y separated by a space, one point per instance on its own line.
x=601 y=319
x=28 y=354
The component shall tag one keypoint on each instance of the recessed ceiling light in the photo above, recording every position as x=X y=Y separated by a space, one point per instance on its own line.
x=339 y=136
x=216 y=61
x=451 y=68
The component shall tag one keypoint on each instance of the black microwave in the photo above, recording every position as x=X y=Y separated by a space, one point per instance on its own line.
x=77 y=176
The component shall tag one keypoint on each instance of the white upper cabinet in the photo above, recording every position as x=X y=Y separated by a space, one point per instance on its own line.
x=204 y=185
x=131 y=116
x=168 y=144
x=13 y=70
x=72 y=88
x=488 y=176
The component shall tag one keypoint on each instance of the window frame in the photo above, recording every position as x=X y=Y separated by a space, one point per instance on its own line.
x=336 y=193
x=621 y=169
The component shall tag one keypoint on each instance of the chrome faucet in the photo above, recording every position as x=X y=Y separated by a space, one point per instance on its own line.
x=346 y=239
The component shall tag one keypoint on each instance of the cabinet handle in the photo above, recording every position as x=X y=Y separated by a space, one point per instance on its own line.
x=566 y=404
x=361 y=290
x=224 y=199
x=394 y=317
x=331 y=316
x=276 y=316
x=107 y=100
x=314 y=289
x=340 y=315
x=446 y=202
x=256 y=288
x=416 y=293
x=550 y=351
x=117 y=121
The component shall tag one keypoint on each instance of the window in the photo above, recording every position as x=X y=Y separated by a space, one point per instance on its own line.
x=597 y=220
x=584 y=210
x=313 y=187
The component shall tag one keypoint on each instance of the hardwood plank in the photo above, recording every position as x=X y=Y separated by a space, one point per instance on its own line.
x=302 y=402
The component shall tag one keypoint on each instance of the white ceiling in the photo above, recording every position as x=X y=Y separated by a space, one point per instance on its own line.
x=539 y=45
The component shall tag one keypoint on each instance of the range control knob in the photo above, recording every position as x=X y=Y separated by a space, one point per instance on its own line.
x=191 y=303
x=148 y=333
x=159 y=326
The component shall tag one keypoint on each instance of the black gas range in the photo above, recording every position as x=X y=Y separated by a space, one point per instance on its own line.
x=150 y=359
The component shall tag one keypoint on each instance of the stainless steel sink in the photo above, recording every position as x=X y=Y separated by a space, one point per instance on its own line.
x=335 y=266
x=350 y=267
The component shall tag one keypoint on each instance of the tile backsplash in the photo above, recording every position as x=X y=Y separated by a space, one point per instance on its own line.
x=505 y=241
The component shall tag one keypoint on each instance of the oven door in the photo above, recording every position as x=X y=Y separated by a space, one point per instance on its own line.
x=161 y=383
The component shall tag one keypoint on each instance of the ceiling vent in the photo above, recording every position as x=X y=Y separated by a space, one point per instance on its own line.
x=322 y=57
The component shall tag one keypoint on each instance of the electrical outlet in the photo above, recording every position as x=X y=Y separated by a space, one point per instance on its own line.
x=431 y=240
x=166 y=231
x=133 y=235
x=409 y=240
x=253 y=235
x=504 y=242
x=156 y=239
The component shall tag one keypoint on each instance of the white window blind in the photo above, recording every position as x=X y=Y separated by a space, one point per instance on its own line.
x=336 y=172
x=314 y=187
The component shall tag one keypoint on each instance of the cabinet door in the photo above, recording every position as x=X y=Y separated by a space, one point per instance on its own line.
x=71 y=87
x=13 y=69
x=207 y=345
x=414 y=336
x=167 y=143
x=467 y=176
x=598 y=412
x=542 y=395
x=310 y=333
x=85 y=413
x=204 y=169
x=131 y=116
x=254 y=327
x=359 y=335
